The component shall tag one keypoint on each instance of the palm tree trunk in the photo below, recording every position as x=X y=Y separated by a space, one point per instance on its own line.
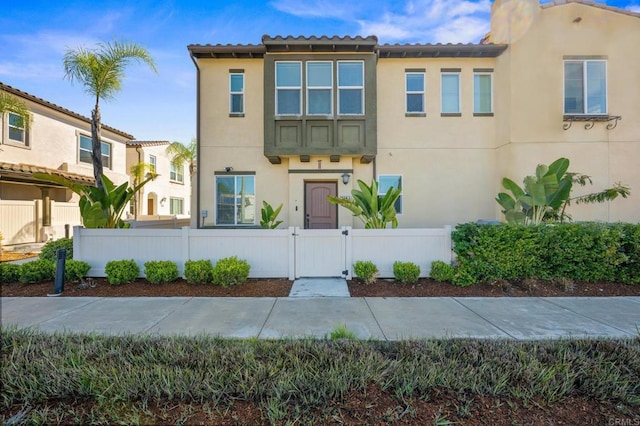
x=96 y=147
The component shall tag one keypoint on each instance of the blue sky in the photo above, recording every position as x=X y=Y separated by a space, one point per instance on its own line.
x=34 y=36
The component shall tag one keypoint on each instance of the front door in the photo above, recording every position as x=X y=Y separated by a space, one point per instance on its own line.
x=150 y=206
x=320 y=213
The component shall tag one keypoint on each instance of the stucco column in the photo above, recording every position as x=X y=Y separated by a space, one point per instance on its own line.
x=46 y=206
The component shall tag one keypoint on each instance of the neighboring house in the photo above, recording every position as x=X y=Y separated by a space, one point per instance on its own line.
x=169 y=193
x=57 y=141
x=295 y=119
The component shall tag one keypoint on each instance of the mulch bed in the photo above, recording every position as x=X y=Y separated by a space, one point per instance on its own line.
x=99 y=287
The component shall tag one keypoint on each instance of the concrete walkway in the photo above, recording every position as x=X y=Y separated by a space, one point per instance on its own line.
x=369 y=318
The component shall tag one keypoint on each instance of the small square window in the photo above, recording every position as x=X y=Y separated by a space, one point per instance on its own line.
x=176 y=173
x=585 y=87
x=176 y=205
x=86 y=149
x=391 y=181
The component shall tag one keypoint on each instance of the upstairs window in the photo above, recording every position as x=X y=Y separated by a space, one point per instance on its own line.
x=391 y=181
x=17 y=130
x=319 y=88
x=350 y=87
x=450 y=93
x=236 y=93
x=235 y=200
x=288 y=88
x=585 y=87
x=86 y=149
x=176 y=173
x=482 y=93
x=152 y=163
x=414 y=87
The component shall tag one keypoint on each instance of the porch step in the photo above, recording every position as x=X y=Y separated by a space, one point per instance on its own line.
x=319 y=287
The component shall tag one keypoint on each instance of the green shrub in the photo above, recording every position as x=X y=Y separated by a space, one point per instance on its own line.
x=407 y=272
x=37 y=271
x=121 y=271
x=161 y=271
x=9 y=273
x=441 y=271
x=75 y=270
x=198 y=271
x=366 y=270
x=49 y=250
x=230 y=271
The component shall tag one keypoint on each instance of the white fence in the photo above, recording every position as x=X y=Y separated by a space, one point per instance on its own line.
x=272 y=253
x=21 y=221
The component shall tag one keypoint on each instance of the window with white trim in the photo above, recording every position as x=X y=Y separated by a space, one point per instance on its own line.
x=176 y=172
x=16 y=129
x=319 y=88
x=482 y=93
x=288 y=88
x=235 y=200
x=152 y=163
x=391 y=181
x=350 y=87
x=176 y=205
x=450 y=84
x=414 y=88
x=585 y=87
x=236 y=93
x=85 y=149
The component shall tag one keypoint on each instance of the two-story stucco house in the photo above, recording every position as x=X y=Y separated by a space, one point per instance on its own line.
x=295 y=119
x=167 y=195
x=56 y=141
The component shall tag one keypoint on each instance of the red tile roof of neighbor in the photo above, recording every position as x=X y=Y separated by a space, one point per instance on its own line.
x=140 y=144
x=40 y=101
x=22 y=172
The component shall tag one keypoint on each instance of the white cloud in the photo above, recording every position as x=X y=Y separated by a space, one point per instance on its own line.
x=318 y=8
x=633 y=8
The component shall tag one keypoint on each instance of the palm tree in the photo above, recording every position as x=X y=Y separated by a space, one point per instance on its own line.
x=181 y=154
x=101 y=72
x=9 y=103
x=140 y=172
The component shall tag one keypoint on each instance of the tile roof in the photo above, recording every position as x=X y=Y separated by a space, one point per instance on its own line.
x=448 y=50
x=58 y=108
x=590 y=3
x=24 y=172
x=140 y=144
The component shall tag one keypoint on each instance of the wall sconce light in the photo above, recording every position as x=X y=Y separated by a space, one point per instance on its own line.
x=228 y=169
x=345 y=178
x=164 y=199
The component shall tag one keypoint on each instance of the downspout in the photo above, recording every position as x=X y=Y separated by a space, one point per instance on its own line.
x=135 y=182
x=195 y=62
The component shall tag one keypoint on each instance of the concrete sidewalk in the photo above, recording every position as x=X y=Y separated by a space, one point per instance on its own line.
x=369 y=318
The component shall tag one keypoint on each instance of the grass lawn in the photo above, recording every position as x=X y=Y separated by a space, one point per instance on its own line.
x=80 y=378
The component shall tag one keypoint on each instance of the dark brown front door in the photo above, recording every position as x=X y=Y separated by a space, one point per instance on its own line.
x=320 y=213
x=150 y=206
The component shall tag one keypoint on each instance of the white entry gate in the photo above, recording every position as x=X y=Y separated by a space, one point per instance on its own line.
x=322 y=253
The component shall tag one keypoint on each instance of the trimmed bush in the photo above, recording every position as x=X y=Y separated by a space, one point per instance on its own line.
x=37 y=271
x=441 y=271
x=160 y=271
x=9 y=273
x=121 y=271
x=366 y=270
x=407 y=272
x=49 y=250
x=198 y=271
x=575 y=251
x=75 y=270
x=230 y=271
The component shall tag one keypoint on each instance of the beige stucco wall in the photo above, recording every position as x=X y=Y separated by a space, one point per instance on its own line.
x=529 y=78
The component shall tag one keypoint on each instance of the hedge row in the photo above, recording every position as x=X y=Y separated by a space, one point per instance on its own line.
x=578 y=251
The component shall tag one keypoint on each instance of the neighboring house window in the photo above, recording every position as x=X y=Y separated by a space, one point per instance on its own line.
x=414 y=87
x=176 y=173
x=236 y=93
x=85 y=151
x=482 y=93
x=319 y=88
x=585 y=87
x=152 y=163
x=350 y=87
x=176 y=205
x=288 y=88
x=235 y=200
x=387 y=181
x=450 y=93
x=17 y=131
